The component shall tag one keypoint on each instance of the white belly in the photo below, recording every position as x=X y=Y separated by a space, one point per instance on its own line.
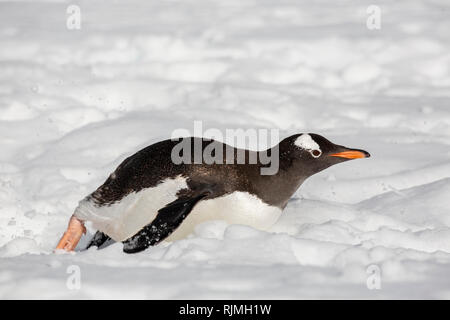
x=124 y=219
x=235 y=208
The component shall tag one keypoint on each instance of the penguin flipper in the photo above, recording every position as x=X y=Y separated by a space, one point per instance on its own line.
x=98 y=240
x=165 y=222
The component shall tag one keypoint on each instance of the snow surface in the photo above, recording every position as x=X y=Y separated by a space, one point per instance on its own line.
x=75 y=103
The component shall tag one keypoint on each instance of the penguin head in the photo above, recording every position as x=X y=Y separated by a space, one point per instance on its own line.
x=313 y=153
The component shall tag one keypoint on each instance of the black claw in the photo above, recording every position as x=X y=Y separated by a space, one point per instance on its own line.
x=98 y=240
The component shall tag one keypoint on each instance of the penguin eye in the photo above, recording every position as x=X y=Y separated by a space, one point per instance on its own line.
x=316 y=153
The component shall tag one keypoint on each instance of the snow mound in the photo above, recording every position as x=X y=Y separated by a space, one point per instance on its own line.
x=75 y=103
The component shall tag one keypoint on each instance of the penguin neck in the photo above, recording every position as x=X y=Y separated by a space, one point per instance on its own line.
x=276 y=189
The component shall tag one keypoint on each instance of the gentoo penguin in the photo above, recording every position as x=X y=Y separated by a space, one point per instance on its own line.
x=150 y=197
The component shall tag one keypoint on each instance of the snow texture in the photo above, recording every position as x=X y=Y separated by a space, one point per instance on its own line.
x=75 y=103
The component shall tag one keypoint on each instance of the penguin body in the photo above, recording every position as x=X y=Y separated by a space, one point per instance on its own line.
x=150 y=197
x=149 y=180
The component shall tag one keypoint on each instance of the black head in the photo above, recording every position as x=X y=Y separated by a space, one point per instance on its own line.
x=310 y=153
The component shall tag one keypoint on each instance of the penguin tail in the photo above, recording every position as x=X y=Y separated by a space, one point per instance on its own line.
x=99 y=240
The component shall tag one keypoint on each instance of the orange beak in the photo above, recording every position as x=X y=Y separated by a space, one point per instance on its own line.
x=352 y=154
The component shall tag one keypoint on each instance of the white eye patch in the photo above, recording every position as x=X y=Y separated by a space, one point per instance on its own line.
x=306 y=142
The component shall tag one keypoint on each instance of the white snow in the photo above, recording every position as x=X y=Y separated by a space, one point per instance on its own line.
x=75 y=103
